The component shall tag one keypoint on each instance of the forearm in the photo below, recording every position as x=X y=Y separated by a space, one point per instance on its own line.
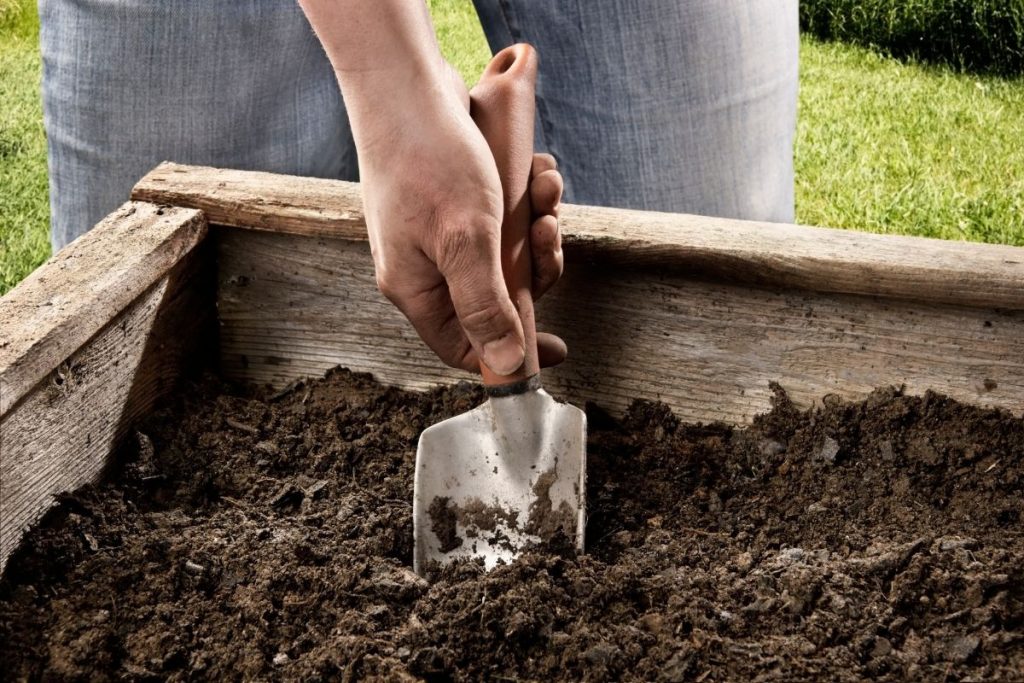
x=384 y=52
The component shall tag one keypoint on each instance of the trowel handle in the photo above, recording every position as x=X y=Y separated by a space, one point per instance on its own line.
x=502 y=106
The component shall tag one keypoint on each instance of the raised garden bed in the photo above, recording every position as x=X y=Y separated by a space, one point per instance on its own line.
x=873 y=539
x=268 y=535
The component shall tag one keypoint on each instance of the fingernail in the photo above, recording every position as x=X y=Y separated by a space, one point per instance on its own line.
x=504 y=356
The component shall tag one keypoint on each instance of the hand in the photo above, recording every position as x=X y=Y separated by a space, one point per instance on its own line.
x=433 y=206
x=431 y=191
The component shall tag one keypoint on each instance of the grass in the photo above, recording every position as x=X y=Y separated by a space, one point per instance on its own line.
x=973 y=35
x=24 y=206
x=890 y=147
x=882 y=145
x=461 y=37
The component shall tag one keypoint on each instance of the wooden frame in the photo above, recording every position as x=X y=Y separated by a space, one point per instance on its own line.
x=91 y=340
x=701 y=313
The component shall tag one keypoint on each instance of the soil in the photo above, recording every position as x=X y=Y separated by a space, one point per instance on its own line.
x=248 y=534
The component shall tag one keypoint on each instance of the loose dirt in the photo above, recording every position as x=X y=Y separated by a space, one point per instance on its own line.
x=258 y=535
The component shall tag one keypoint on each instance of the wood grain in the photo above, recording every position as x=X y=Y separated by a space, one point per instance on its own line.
x=293 y=306
x=65 y=430
x=56 y=309
x=766 y=254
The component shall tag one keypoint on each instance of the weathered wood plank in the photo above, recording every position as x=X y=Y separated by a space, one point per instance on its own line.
x=90 y=341
x=65 y=430
x=293 y=306
x=257 y=200
x=52 y=313
x=771 y=255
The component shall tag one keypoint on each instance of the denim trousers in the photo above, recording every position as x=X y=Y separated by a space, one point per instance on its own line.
x=670 y=105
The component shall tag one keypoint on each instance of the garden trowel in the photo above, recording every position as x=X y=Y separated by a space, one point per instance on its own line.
x=509 y=474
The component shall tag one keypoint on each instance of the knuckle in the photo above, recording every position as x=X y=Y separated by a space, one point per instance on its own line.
x=547 y=272
x=482 y=316
x=548 y=277
x=386 y=286
x=555 y=265
x=542 y=162
x=556 y=273
x=549 y=183
x=462 y=242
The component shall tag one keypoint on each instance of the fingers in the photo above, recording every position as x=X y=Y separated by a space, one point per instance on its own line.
x=542 y=161
x=453 y=291
x=546 y=186
x=546 y=255
x=419 y=290
x=414 y=285
x=470 y=261
x=551 y=351
x=421 y=293
x=545 y=240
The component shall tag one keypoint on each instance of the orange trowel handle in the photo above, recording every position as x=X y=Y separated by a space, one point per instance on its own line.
x=502 y=106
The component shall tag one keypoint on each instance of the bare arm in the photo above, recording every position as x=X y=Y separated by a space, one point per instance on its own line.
x=430 y=186
x=384 y=54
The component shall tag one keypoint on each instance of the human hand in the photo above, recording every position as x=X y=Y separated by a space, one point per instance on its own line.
x=433 y=204
x=431 y=192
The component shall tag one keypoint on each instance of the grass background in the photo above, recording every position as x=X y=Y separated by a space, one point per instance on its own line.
x=976 y=35
x=24 y=205
x=882 y=145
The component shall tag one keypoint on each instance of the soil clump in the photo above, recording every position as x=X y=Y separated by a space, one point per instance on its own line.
x=262 y=535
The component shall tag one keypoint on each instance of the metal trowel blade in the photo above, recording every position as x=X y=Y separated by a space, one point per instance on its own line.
x=501 y=478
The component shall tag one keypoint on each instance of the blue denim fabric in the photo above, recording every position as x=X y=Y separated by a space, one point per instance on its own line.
x=231 y=83
x=676 y=105
x=668 y=105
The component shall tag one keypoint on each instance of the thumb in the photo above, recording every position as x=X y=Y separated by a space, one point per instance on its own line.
x=472 y=267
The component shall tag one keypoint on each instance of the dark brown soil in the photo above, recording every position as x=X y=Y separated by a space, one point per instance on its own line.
x=250 y=535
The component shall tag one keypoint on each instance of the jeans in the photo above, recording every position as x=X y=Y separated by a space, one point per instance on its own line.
x=671 y=105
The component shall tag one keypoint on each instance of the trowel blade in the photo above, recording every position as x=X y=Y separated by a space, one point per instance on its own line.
x=498 y=479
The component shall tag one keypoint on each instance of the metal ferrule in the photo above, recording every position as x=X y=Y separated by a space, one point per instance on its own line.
x=531 y=383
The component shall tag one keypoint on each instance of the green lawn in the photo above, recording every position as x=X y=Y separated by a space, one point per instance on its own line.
x=24 y=208
x=889 y=147
x=881 y=145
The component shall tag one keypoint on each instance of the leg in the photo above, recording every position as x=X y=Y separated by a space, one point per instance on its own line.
x=131 y=83
x=669 y=105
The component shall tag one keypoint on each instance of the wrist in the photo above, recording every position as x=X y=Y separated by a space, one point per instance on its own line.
x=385 y=56
x=386 y=103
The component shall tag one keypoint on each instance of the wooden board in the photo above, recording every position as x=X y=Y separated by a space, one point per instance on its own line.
x=700 y=313
x=292 y=306
x=58 y=307
x=130 y=307
x=766 y=254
